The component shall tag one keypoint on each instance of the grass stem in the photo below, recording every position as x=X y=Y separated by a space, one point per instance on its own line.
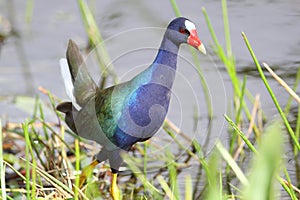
x=264 y=79
x=2 y=166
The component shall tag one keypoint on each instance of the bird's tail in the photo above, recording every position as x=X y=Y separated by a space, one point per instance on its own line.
x=80 y=86
x=66 y=75
x=71 y=113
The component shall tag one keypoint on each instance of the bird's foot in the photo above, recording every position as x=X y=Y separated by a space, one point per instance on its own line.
x=86 y=172
x=114 y=190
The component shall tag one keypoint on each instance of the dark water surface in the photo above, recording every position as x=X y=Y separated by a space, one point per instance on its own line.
x=133 y=31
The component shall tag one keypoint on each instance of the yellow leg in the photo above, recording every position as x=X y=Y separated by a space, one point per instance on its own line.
x=114 y=190
x=86 y=172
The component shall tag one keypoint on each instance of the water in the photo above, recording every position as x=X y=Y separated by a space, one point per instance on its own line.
x=31 y=59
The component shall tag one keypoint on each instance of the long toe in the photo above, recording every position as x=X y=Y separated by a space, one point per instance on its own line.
x=86 y=172
x=114 y=190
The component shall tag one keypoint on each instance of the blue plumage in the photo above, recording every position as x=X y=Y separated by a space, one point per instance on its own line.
x=120 y=116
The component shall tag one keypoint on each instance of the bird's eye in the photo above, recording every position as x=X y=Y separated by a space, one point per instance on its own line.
x=184 y=31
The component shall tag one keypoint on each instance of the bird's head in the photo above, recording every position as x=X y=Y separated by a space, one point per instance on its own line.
x=182 y=30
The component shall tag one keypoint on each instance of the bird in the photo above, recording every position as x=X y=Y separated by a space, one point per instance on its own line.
x=119 y=116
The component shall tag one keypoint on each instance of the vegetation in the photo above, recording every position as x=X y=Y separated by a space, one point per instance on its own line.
x=250 y=166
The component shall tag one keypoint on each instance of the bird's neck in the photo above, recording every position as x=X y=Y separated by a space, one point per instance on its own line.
x=164 y=66
x=167 y=54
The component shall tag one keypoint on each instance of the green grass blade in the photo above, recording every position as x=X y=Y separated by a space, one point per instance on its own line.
x=15 y=170
x=265 y=165
x=66 y=162
x=211 y=169
x=90 y=23
x=180 y=144
x=27 y=156
x=42 y=116
x=238 y=115
x=57 y=135
x=165 y=187
x=33 y=171
x=2 y=167
x=175 y=8
x=291 y=190
x=36 y=106
x=264 y=79
x=61 y=187
x=198 y=68
x=30 y=168
x=212 y=175
x=211 y=30
x=290 y=100
x=97 y=41
x=252 y=148
x=241 y=101
x=77 y=167
x=297 y=132
x=29 y=11
x=230 y=161
x=188 y=187
x=229 y=65
x=241 y=134
x=145 y=158
x=40 y=140
x=139 y=174
x=227 y=30
x=173 y=174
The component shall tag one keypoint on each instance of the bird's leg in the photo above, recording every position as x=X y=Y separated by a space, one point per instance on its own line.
x=86 y=172
x=114 y=190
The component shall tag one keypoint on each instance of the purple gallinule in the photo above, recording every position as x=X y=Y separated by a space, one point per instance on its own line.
x=119 y=116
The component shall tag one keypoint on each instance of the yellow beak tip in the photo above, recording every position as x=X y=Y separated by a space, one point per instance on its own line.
x=202 y=49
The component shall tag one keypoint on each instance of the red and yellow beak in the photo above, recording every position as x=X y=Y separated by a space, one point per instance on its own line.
x=194 y=41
